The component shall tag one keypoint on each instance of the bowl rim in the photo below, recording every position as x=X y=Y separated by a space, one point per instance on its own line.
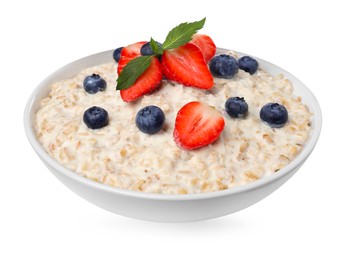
x=297 y=162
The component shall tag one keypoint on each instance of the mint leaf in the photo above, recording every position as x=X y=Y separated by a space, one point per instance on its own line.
x=132 y=71
x=182 y=34
x=155 y=47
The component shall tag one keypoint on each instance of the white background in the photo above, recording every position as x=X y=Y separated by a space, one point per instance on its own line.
x=307 y=218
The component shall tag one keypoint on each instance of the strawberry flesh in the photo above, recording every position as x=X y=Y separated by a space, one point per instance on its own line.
x=129 y=53
x=187 y=66
x=147 y=82
x=196 y=125
x=205 y=44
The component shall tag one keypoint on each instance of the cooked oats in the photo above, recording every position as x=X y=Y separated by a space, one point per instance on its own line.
x=121 y=156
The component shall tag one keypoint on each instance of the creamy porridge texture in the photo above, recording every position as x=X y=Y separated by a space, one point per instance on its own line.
x=121 y=155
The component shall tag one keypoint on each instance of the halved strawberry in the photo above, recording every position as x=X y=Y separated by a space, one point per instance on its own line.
x=187 y=66
x=205 y=44
x=129 y=53
x=196 y=125
x=147 y=82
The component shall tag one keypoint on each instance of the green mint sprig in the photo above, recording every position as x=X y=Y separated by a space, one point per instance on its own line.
x=177 y=37
x=182 y=34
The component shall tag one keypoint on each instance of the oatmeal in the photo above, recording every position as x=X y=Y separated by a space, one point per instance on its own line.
x=121 y=155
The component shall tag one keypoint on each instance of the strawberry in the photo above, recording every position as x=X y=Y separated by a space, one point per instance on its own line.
x=129 y=53
x=187 y=66
x=147 y=82
x=205 y=44
x=196 y=125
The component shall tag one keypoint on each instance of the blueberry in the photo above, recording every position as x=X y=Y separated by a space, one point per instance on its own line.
x=116 y=54
x=274 y=114
x=94 y=83
x=223 y=66
x=150 y=119
x=236 y=107
x=248 y=64
x=146 y=49
x=95 y=117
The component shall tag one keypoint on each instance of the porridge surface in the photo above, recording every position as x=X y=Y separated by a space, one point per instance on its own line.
x=121 y=155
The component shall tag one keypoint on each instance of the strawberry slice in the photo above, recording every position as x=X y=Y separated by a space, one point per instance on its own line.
x=196 y=125
x=129 y=53
x=205 y=44
x=187 y=66
x=147 y=82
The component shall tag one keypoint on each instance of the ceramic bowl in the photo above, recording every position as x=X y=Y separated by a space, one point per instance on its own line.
x=160 y=207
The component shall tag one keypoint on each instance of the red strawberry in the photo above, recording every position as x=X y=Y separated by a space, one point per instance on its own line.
x=187 y=66
x=205 y=44
x=196 y=125
x=147 y=82
x=129 y=53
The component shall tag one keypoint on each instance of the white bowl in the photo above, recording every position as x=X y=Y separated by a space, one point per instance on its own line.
x=160 y=207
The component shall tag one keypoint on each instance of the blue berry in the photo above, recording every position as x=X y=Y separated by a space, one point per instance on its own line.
x=95 y=117
x=248 y=64
x=223 y=66
x=116 y=54
x=274 y=114
x=236 y=107
x=146 y=49
x=94 y=83
x=150 y=119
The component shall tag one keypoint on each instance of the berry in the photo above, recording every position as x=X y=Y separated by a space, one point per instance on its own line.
x=95 y=117
x=150 y=119
x=196 y=125
x=129 y=53
x=248 y=64
x=94 y=83
x=116 y=54
x=223 y=66
x=146 y=49
x=236 y=107
x=187 y=66
x=274 y=114
x=147 y=82
x=205 y=44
